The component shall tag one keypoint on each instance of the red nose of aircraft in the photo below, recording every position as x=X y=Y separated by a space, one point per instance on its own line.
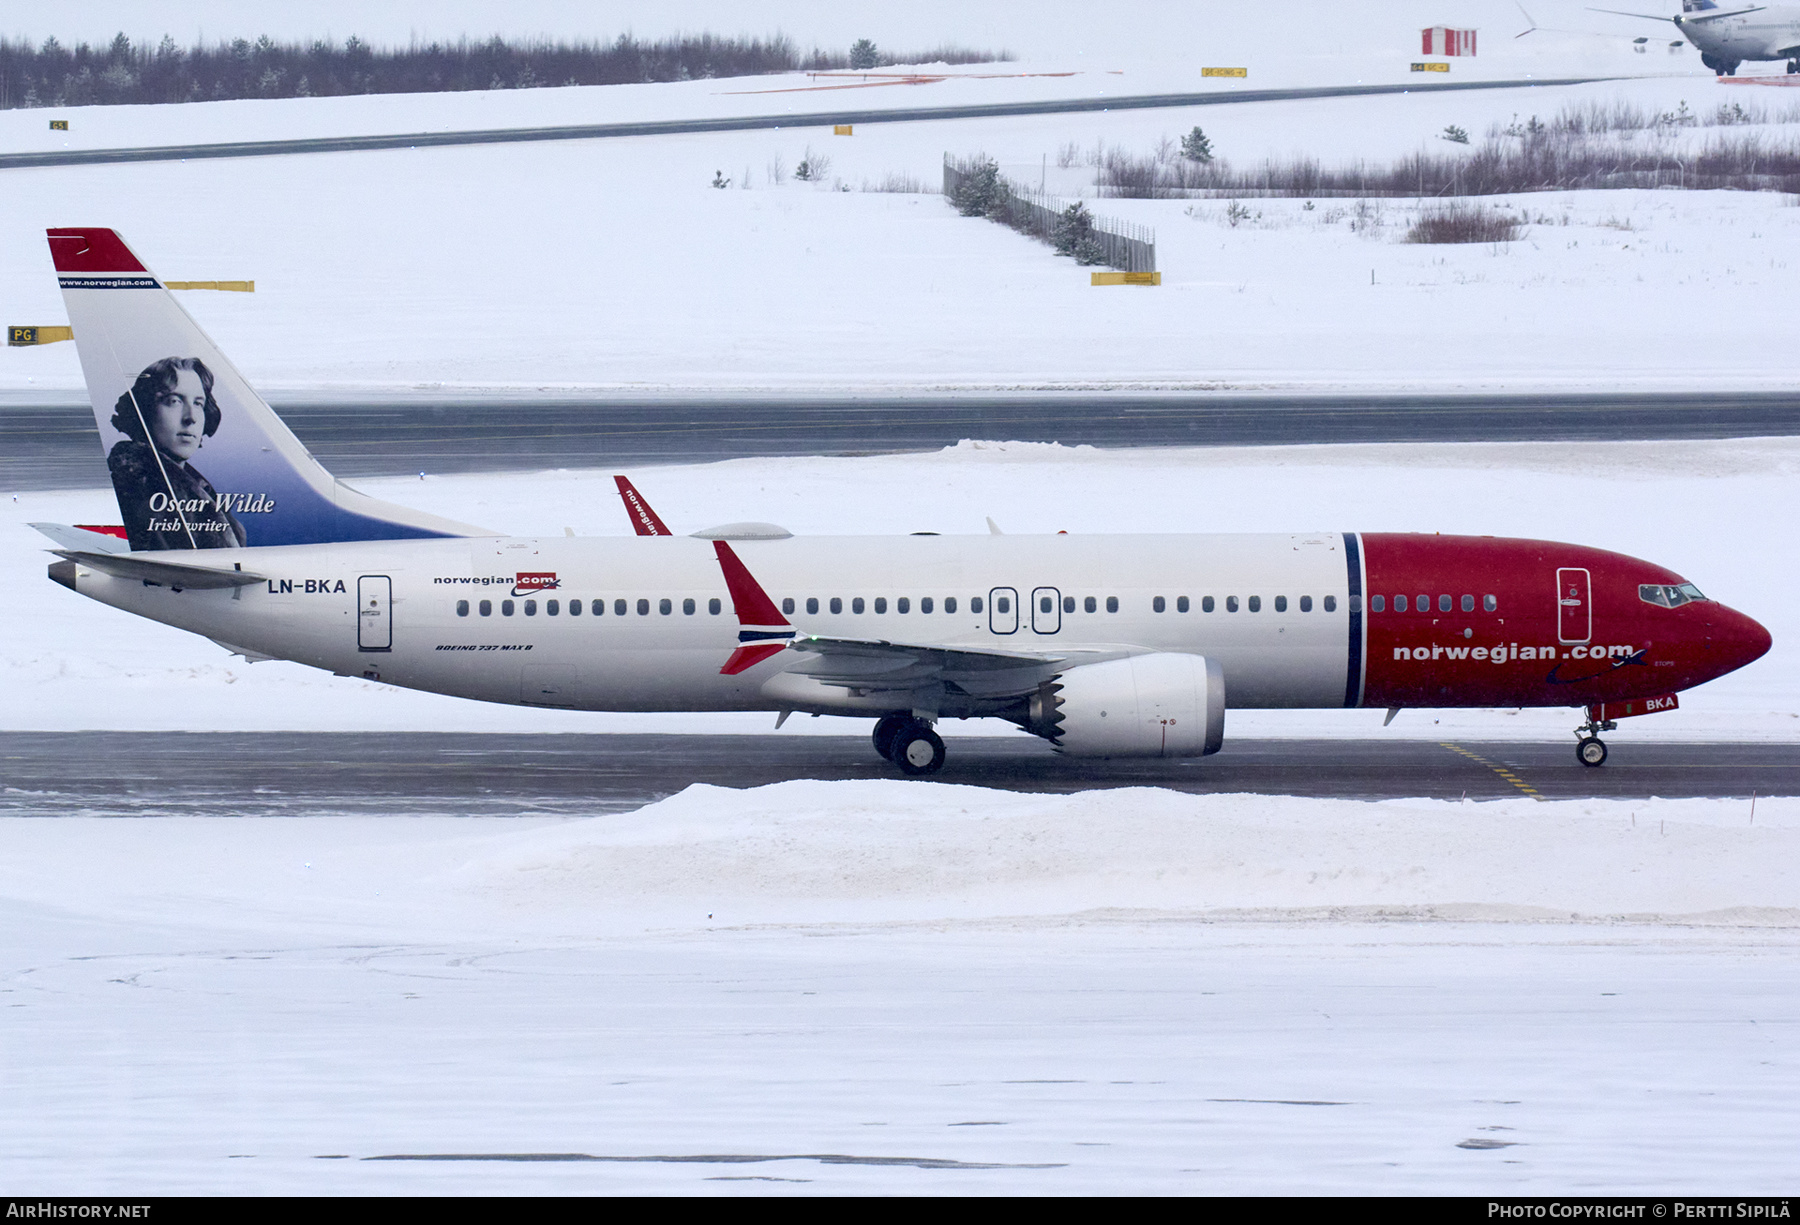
x=1734 y=639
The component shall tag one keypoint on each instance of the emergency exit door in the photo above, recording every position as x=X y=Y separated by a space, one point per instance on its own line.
x=374 y=613
x=1574 y=608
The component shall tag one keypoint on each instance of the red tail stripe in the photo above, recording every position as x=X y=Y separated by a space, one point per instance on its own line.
x=83 y=250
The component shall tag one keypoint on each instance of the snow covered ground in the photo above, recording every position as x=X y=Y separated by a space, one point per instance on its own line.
x=73 y=664
x=614 y=264
x=907 y=987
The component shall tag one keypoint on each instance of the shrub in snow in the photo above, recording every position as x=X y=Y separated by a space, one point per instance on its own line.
x=979 y=193
x=719 y=179
x=1456 y=135
x=863 y=54
x=1463 y=223
x=812 y=166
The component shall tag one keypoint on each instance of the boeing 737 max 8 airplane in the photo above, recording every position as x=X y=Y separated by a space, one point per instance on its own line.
x=1103 y=645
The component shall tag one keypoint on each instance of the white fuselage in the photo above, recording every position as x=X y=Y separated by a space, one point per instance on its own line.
x=1766 y=34
x=411 y=612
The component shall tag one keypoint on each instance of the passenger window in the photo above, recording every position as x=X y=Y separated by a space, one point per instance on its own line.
x=925 y=604
x=903 y=605
x=1004 y=604
x=462 y=608
x=974 y=604
x=1280 y=603
x=552 y=607
x=643 y=608
x=506 y=608
x=1423 y=603
x=787 y=604
x=1090 y=605
x=1156 y=605
x=812 y=604
x=531 y=608
x=1468 y=603
x=1355 y=603
x=1489 y=603
x=1399 y=603
x=1112 y=603
x=665 y=606
x=1330 y=603
x=1444 y=603
x=687 y=607
x=713 y=606
x=1181 y=604
x=598 y=608
x=1206 y=603
x=1068 y=603
x=1306 y=604
x=837 y=605
x=880 y=603
x=1255 y=603
x=485 y=608
x=1231 y=603
x=856 y=605
x=574 y=608
x=950 y=604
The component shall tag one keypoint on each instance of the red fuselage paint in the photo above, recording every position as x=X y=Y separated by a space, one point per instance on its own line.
x=1528 y=650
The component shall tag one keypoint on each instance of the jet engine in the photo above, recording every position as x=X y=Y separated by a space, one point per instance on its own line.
x=1163 y=705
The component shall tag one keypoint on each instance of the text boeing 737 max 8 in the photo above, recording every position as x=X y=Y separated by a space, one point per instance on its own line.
x=1104 y=645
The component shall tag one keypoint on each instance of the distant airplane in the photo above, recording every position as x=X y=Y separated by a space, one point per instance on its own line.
x=1728 y=37
x=1104 y=645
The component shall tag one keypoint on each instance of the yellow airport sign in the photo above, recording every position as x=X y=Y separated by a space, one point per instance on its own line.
x=1224 y=72
x=1126 y=278
x=1431 y=68
x=59 y=125
x=840 y=129
x=17 y=335
x=233 y=286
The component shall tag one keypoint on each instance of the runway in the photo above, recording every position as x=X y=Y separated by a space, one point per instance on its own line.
x=55 y=446
x=128 y=774
x=741 y=123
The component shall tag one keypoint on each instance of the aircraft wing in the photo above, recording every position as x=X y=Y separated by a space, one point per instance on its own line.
x=876 y=665
x=168 y=573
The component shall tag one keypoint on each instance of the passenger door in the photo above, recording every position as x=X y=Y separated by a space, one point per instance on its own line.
x=374 y=613
x=1574 y=608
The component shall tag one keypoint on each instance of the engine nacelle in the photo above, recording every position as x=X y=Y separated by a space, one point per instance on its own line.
x=1163 y=705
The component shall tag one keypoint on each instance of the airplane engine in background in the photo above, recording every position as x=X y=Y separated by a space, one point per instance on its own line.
x=1161 y=705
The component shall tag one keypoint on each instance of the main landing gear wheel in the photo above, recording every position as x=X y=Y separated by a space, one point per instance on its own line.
x=1590 y=751
x=918 y=750
x=886 y=728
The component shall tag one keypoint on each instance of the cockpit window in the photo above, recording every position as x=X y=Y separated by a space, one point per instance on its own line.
x=1667 y=595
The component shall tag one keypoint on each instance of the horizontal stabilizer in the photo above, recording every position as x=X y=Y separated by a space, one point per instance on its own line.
x=167 y=573
x=70 y=536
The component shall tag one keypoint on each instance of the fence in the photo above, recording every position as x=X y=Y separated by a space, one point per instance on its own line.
x=1123 y=245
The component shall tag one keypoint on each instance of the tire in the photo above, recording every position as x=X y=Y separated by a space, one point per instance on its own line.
x=1708 y=61
x=1590 y=751
x=886 y=728
x=918 y=751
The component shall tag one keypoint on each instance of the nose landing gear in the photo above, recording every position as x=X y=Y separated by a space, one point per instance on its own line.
x=909 y=743
x=1590 y=750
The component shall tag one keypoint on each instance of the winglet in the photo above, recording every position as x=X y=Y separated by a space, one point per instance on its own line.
x=643 y=520
x=762 y=630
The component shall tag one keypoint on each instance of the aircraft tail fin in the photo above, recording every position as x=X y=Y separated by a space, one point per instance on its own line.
x=644 y=521
x=198 y=459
